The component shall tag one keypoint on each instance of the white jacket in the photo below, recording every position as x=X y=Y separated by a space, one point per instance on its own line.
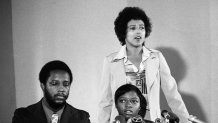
x=157 y=76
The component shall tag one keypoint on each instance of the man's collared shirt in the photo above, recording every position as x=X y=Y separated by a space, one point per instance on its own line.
x=49 y=112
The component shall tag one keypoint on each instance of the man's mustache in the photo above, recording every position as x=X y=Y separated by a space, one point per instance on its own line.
x=61 y=94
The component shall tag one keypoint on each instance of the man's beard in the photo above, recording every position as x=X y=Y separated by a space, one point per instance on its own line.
x=51 y=100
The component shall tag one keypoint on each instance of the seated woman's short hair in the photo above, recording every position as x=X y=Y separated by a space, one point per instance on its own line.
x=127 y=88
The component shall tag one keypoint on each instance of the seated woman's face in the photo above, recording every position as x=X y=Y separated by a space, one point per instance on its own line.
x=128 y=105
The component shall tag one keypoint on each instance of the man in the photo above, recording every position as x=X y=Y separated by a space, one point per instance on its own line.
x=55 y=80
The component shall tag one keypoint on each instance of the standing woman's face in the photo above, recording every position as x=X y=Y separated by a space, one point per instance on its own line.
x=135 y=34
x=128 y=105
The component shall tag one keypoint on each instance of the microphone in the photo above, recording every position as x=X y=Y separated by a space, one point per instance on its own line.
x=137 y=119
x=157 y=120
x=173 y=118
x=165 y=114
x=120 y=119
x=194 y=119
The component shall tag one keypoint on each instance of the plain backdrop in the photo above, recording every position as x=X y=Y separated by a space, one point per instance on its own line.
x=81 y=33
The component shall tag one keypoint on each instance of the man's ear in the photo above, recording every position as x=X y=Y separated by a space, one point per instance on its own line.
x=42 y=86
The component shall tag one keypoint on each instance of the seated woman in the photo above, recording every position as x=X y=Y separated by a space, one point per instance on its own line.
x=130 y=104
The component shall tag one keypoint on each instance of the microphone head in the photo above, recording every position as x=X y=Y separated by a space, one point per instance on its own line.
x=173 y=118
x=157 y=120
x=137 y=119
x=165 y=114
x=164 y=111
x=120 y=118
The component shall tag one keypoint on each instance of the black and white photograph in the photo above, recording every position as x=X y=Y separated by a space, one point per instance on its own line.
x=109 y=61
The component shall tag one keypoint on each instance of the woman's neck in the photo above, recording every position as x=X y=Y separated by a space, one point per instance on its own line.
x=133 y=51
x=135 y=55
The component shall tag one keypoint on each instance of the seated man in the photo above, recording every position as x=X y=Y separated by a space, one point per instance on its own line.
x=55 y=80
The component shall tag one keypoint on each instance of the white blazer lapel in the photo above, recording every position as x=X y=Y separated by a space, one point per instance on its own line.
x=118 y=74
x=151 y=71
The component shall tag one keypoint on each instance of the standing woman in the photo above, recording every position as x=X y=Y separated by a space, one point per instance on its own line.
x=140 y=66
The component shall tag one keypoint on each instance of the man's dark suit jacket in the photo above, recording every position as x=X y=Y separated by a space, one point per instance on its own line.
x=35 y=114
